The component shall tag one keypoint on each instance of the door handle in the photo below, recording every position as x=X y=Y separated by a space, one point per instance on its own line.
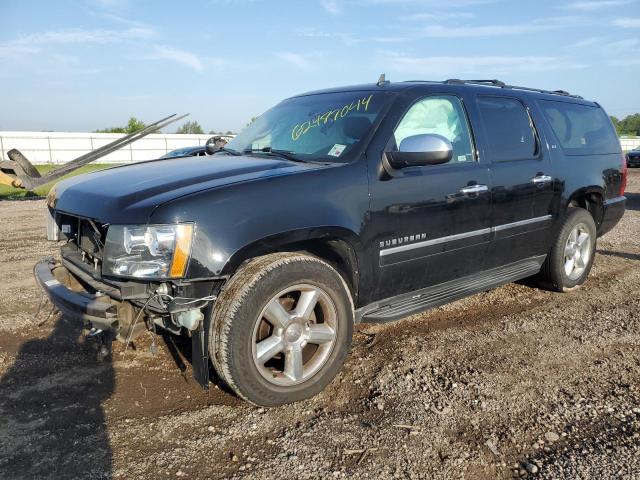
x=539 y=179
x=474 y=189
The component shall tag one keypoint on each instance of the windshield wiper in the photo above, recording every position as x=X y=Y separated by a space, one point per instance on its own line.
x=280 y=153
x=230 y=151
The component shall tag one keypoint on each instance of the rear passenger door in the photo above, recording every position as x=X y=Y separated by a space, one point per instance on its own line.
x=522 y=180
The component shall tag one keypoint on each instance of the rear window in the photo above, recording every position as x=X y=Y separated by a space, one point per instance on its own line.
x=509 y=131
x=581 y=129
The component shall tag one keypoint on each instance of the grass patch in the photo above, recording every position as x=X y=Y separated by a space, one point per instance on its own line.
x=10 y=193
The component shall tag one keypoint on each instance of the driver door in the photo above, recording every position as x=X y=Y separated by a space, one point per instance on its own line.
x=432 y=223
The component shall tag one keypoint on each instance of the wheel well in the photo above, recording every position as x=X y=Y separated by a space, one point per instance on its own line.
x=337 y=253
x=592 y=202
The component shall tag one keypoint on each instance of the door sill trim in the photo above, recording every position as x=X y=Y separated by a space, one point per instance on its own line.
x=417 y=301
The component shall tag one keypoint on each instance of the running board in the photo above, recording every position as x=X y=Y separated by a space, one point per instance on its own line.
x=420 y=300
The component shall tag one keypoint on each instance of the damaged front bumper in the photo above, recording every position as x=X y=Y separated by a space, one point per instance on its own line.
x=80 y=296
x=95 y=310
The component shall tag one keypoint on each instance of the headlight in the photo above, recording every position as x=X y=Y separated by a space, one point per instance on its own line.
x=149 y=251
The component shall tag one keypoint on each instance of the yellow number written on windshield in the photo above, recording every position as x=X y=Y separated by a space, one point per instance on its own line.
x=333 y=115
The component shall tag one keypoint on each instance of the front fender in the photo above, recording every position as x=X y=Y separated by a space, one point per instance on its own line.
x=281 y=241
x=246 y=219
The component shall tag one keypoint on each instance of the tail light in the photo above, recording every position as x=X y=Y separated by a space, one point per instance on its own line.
x=623 y=180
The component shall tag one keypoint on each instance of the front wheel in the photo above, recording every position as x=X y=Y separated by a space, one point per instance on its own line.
x=281 y=328
x=570 y=259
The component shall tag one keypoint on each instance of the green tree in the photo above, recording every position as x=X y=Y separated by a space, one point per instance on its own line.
x=190 y=127
x=615 y=122
x=629 y=125
x=133 y=125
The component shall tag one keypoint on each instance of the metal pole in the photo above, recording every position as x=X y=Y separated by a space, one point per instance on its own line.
x=1 y=149
x=49 y=144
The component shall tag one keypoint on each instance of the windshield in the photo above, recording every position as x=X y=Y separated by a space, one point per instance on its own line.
x=324 y=127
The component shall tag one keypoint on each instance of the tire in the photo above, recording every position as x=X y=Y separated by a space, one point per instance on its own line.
x=303 y=349
x=556 y=272
x=22 y=162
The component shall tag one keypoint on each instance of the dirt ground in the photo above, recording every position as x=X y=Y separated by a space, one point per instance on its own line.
x=513 y=382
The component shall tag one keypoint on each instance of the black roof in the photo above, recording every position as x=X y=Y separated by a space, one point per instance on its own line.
x=475 y=84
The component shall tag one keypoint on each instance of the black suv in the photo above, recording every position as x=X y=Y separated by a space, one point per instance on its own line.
x=365 y=203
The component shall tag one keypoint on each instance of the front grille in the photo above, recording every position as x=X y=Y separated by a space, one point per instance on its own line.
x=90 y=240
x=88 y=235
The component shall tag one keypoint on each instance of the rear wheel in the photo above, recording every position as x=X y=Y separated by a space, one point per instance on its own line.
x=570 y=259
x=281 y=328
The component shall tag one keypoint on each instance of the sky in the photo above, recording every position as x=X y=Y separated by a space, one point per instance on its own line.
x=82 y=65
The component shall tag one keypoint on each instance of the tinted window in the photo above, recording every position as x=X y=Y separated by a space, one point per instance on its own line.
x=581 y=129
x=510 y=135
x=442 y=115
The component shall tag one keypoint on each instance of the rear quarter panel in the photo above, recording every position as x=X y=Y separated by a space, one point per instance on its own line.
x=579 y=174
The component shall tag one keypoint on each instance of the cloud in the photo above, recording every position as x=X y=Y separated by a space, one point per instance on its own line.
x=594 y=5
x=122 y=20
x=81 y=36
x=630 y=22
x=295 y=60
x=587 y=42
x=164 y=52
x=474 y=31
x=443 y=31
x=433 y=3
x=110 y=4
x=348 y=39
x=419 y=17
x=11 y=51
x=625 y=62
x=444 y=66
x=331 y=6
x=627 y=46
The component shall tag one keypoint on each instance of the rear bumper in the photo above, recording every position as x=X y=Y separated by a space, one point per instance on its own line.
x=613 y=211
x=93 y=310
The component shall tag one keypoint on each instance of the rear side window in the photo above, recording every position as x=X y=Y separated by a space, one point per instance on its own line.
x=510 y=134
x=580 y=129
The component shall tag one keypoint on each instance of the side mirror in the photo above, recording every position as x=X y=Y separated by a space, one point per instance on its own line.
x=421 y=150
x=210 y=148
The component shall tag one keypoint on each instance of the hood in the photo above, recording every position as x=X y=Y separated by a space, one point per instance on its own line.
x=130 y=193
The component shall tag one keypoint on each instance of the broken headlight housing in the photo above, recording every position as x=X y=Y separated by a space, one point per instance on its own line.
x=147 y=251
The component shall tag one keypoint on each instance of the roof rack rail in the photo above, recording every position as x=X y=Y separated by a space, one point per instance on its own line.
x=500 y=84
x=495 y=82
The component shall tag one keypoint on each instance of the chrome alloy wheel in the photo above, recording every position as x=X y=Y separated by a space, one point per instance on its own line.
x=577 y=251
x=294 y=335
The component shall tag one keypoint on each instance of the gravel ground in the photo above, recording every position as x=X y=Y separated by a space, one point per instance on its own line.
x=513 y=382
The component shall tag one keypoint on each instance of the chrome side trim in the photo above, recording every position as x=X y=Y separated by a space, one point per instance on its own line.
x=435 y=241
x=520 y=223
x=460 y=236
